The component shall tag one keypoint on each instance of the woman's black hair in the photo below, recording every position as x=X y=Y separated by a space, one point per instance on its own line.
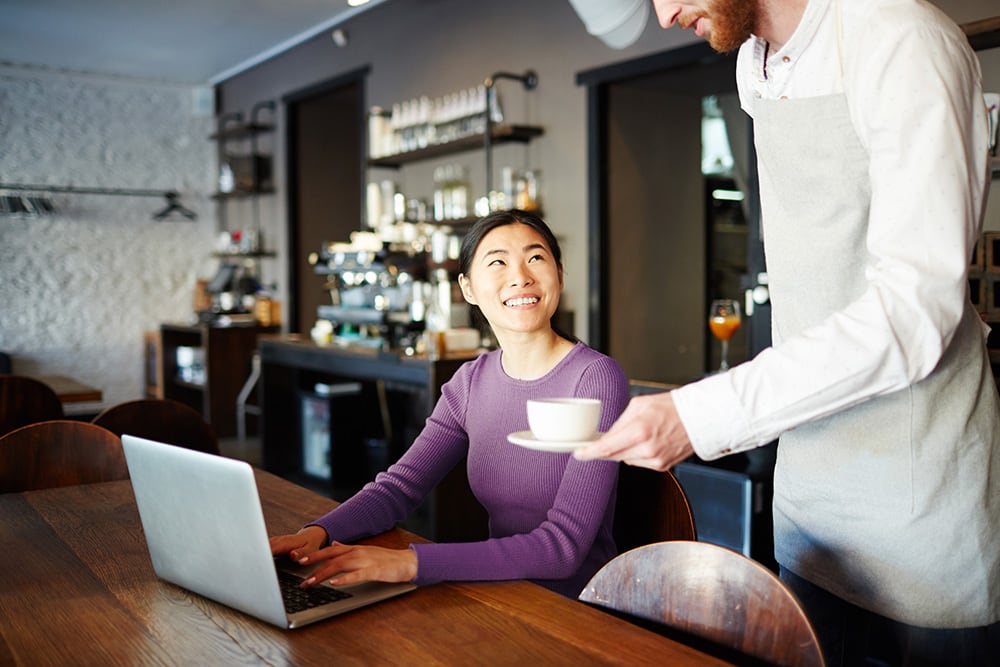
x=485 y=225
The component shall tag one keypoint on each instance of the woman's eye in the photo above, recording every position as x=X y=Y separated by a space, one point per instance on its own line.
x=536 y=257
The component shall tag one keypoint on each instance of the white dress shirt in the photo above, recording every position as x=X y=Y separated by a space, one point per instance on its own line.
x=919 y=119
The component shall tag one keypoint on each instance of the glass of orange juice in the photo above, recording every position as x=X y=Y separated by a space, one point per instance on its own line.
x=723 y=321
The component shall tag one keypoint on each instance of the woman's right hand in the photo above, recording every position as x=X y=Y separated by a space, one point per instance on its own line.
x=306 y=541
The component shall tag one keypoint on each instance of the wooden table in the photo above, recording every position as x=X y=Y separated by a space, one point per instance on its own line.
x=77 y=587
x=71 y=391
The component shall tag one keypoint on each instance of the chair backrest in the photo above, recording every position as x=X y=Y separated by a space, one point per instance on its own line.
x=161 y=419
x=711 y=593
x=650 y=507
x=61 y=452
x=25 y=400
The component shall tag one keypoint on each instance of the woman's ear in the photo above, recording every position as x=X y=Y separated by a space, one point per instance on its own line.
x=463 y=282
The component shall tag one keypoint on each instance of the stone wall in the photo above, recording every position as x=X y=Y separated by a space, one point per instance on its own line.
x=79 y=288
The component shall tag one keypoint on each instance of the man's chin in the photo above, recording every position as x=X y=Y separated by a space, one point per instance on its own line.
x=724 y=46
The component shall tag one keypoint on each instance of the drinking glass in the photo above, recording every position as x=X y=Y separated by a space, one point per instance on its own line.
x=723 y=321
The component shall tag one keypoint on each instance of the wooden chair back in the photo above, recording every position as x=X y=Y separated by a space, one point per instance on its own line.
x=163 y=420
x=707 y=592
x=61 y=452
x=650 y=507
x=25 y=400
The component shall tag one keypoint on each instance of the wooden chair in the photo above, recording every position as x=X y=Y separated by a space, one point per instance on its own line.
x=25 y=400
x=61 y=452
x=705 y=594
x=160 y=419
x=650 y=507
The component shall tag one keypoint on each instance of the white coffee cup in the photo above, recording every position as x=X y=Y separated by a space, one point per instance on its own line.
x=564 y=419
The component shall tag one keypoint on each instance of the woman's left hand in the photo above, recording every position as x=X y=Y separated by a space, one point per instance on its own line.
x=342 y=564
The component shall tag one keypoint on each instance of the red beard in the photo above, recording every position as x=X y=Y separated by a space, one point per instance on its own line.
x=732 y=23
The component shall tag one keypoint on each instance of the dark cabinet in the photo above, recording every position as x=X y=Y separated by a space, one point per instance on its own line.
x=212 y=368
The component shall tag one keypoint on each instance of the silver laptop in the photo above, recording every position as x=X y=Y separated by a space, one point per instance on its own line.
x=205 y=530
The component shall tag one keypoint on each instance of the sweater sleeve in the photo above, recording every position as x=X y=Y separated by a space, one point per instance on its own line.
x=395 y=493
x=561 y=544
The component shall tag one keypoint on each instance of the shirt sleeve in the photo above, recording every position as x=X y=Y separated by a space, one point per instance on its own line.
x=556 y=549
x=916 y=104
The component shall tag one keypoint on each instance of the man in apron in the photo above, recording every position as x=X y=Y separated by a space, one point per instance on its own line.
x=871 y=135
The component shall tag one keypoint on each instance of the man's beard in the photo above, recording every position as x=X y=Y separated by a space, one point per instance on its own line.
x=733 y=22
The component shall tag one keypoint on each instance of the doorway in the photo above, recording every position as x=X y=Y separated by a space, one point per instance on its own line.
x=674 y=223
x=670 y=231
x=325 y=140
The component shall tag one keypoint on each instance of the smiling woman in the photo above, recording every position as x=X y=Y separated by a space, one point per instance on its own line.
x=511 y=268
x=550 y=514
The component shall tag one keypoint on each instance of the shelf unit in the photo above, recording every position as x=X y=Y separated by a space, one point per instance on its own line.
x=252 y=169
x=228 y=363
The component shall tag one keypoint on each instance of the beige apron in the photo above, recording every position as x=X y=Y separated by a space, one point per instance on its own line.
x=889 y=504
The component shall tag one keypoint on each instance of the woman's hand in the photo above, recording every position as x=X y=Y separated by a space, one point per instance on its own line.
x=302 y=543
x=342 y=564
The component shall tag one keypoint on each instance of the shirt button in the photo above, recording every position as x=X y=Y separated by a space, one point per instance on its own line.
x=786 y=59
x=784 y=97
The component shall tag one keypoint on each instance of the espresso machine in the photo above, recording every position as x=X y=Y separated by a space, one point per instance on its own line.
x=375 y=294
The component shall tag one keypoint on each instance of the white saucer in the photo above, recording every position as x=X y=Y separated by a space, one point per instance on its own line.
x=526 y=439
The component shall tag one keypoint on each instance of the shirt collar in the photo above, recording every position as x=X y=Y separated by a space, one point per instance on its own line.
x=806 y=31
x=766 y=59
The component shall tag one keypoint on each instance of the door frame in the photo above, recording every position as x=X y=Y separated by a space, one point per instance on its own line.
x=359 y=77
x=598 y=82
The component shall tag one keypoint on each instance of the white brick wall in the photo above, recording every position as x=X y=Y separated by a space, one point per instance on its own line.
x=77 y=289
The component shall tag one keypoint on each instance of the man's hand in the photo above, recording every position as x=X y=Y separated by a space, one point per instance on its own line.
x=649 y=434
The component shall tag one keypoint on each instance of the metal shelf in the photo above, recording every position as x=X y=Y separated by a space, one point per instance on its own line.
x=501 y=134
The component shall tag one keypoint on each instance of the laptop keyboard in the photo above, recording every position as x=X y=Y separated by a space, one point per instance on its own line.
x=299 y=599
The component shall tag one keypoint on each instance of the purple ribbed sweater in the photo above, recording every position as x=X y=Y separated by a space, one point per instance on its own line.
x=550 y=515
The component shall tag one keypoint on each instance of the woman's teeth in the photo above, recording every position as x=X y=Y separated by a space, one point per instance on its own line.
x=521 y=301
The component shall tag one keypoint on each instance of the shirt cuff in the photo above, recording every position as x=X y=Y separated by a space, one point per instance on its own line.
x=713 y=416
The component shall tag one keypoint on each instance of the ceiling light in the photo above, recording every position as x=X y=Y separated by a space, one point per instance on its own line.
x=357 y=3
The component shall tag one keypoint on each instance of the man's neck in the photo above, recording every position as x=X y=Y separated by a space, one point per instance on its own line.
x=778 y=20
